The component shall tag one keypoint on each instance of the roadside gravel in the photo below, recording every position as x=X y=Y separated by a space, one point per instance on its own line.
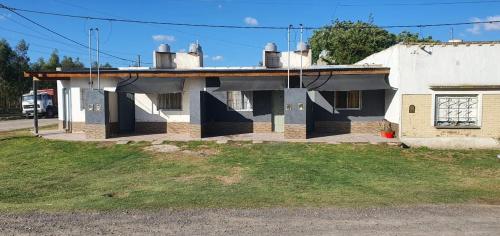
x=414 y=220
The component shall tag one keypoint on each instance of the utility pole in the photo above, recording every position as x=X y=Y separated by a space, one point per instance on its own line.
x=139 y=60
x=35 y=106
x=90 y=59
x=301 y=53
x=288 y=78
x=98 y=65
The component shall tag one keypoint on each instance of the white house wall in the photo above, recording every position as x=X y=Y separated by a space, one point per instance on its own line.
x=76 y=86
x=146 y=109
x=389 y=58
x=61 y=84
x=414 y=68
x=448 y=65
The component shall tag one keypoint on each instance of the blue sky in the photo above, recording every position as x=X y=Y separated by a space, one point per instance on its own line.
x=224 y=47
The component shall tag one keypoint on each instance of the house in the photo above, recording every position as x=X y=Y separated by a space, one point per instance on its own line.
x=179 y=95
x=449 y=89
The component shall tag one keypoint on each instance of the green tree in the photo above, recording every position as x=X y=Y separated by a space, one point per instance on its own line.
x=67 y=63
x=349 y=42
x=106 y=65
x=53 y=61
x=409 y=37
x=103 y=66
x=13 y=63
x=38 y=65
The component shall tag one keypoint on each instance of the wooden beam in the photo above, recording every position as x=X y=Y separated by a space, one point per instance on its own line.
x=61 y=75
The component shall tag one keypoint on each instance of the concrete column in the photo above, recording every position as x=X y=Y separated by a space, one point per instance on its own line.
x=96 y=114
x=296 y=113
x=196 y=112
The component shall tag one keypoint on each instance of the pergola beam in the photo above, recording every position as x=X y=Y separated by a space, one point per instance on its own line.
x=64 y=75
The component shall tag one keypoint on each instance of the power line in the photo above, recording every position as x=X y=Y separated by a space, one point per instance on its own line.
x=142 y=21
x=419 y=3
x=13 y=10
x=235 y=26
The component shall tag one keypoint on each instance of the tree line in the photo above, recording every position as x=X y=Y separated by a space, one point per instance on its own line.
x=15 y=60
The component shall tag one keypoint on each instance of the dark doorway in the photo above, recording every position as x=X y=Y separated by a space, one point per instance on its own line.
x=126 y=112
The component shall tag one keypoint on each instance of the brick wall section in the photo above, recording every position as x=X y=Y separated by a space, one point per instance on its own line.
x=295 y=131
x=178 y=127
x=195 y=131
x=262 y=127
x=96 y=131
x=345 y=127
x=419 y=124
x=227 y=128
x=77 y=126
x=162 y=127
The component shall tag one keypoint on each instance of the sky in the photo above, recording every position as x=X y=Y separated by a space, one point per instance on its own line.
x=226 y=47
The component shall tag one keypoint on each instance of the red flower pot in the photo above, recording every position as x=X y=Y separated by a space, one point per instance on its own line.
x=387 y=134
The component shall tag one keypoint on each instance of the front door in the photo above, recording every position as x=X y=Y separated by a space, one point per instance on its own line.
x=278 y=110
x=126 y=112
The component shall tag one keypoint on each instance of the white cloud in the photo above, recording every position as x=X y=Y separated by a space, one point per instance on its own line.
x=217 y=58
x=5 y=16
x=479 y=28
x=205 y=56
x=163 y=38
x=492 y=26
x=219 y=6
x=182 y=50
x=251 y=21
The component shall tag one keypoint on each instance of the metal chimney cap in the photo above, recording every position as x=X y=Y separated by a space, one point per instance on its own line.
x=163 y=48
x=195 y=48
x=271 y=47
x=302 y=47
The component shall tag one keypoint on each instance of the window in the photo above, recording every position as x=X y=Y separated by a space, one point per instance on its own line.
x=240 y=100
x=170 y=101
x=348 y=100
x=456 y=111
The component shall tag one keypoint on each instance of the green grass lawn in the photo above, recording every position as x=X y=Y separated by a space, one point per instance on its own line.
x=38 y=174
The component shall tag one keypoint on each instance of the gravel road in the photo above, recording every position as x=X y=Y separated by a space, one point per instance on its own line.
x=8 y=125
x=416 y=220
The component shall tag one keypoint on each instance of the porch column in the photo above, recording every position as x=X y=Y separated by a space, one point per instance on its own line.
x=96 y=114
x=196 y=113
x=296 y=113
x=35 y=105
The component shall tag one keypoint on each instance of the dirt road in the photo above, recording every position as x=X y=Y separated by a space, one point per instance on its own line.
x=8 y=125
x=420 y=220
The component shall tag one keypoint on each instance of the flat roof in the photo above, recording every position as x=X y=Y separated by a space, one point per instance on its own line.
x=204 y=72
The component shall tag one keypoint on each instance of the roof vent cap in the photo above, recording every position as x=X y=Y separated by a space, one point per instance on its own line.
x=163 y=48
x=271 y=47
x=194 y=48
x=302 y=47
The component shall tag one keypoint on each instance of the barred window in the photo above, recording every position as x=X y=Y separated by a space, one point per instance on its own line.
x=239 y=100
x=456 y=111
x=348 y=100
x=170 y=101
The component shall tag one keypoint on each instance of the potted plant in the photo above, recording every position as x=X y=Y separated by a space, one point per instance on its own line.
x=387 y=131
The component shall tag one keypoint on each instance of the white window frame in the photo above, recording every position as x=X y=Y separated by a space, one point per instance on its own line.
x=168 y=109
x=458 y=93
x=247 y=99
x=347 y=109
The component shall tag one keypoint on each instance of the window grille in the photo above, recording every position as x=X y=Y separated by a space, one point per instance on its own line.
x=170 y=101
x=456 y=110
x=239 y=100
